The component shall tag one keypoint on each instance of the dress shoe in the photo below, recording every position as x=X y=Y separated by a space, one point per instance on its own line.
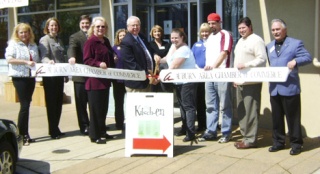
x=186 y=139
x=275 y=148
x=27 y=140
x=243 y=145
x=55 y=137
x=98 y=141
x=85 y=131
x=180 y=133
x=295 y=151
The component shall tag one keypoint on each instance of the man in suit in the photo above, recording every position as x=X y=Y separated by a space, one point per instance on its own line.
x=137 y=55
x=75 y=54
x=285 y=96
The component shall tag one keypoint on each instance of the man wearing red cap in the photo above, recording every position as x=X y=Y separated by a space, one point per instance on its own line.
x=218 y=94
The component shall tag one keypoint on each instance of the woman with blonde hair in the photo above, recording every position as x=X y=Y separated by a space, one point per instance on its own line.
x=97 y=52
x=199 y=52
x=161 y=49
x=21 y=54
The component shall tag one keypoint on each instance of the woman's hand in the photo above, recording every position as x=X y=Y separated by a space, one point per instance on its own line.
x=103 y=65
x=30 y=63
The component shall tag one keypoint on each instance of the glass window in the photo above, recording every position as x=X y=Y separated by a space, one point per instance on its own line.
x=142 y=1
x=118 y=1
x=233 y=11
x=70 y=22
x=121 y=15
x=143 y=13
x=159 y=1
x=36 y=6
x=3 y=11
x=63 y=4
x=173 y=14
x=37 y=23
x=3 y=36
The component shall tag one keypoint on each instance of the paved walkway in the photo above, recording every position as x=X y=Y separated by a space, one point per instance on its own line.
x=75 y=153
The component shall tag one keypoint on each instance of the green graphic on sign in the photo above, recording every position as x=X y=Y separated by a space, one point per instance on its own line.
x=149 y=128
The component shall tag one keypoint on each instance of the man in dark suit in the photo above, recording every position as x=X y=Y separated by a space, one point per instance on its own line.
x=285 y=99
x=75 y=54
x=137 y=55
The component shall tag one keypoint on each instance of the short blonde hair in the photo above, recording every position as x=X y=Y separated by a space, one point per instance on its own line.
x=99 y=18
x=204 y=27
x=24 y=27
x=156 y=27
x=116 y=38
x=46 y=30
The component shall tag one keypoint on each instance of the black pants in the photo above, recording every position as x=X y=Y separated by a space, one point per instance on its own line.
x=119 y=92
x=98 y=106
x=24 y=88
x=201 y=106
x=186 y=95
x=290 y=106
x=53 y=91
x=81 y=100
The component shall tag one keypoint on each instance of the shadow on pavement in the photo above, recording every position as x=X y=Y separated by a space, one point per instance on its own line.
x=32 y=166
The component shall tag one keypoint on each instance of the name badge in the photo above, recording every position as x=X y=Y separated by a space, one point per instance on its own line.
x=198 y=45
x=271 y=49
x=162 y=48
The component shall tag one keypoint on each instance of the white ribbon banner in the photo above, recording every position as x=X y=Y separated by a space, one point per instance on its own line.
x=66 y=69
x=265 y=74
x=13 y=3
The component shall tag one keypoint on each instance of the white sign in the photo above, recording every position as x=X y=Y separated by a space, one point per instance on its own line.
x=13 y=3
x=149 y=124
x=167 y=26
x=66 y=69
x=267 y=74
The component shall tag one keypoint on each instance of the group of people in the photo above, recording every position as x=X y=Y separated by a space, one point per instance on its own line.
x=251 y=51
x=203 y=101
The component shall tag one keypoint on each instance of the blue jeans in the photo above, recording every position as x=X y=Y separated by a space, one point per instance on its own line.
x=186 y=95
x=218 y=98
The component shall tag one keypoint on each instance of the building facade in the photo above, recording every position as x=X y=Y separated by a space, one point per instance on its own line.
x=302 y=18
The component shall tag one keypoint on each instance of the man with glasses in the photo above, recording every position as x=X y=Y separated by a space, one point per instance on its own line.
x=137 y=55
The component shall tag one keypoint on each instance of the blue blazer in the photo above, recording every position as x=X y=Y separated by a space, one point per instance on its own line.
x=291 y=49
x=133 y=58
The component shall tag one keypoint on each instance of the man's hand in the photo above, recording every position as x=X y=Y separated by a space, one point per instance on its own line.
x=241 y=66
x=292 y=64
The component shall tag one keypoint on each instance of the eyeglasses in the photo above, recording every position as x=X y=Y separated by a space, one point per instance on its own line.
x=100 y=26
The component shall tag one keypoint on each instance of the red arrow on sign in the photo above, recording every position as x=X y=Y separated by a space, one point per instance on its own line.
x=151 y=143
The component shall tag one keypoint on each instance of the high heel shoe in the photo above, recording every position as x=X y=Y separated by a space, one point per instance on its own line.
x=55 y=137
x=99 y=141
x=27 y=140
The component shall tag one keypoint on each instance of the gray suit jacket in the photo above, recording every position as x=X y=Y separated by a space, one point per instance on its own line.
x=51 y=49
x=76 y=43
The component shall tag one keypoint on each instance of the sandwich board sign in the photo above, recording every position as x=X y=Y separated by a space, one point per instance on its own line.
x=149 y=124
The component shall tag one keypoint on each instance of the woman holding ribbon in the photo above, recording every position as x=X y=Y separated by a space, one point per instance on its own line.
x=97 y=52
x=52 y=51
x=22 y=53
x=181 y=57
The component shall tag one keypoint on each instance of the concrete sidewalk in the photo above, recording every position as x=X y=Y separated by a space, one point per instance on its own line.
x=75 y=153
